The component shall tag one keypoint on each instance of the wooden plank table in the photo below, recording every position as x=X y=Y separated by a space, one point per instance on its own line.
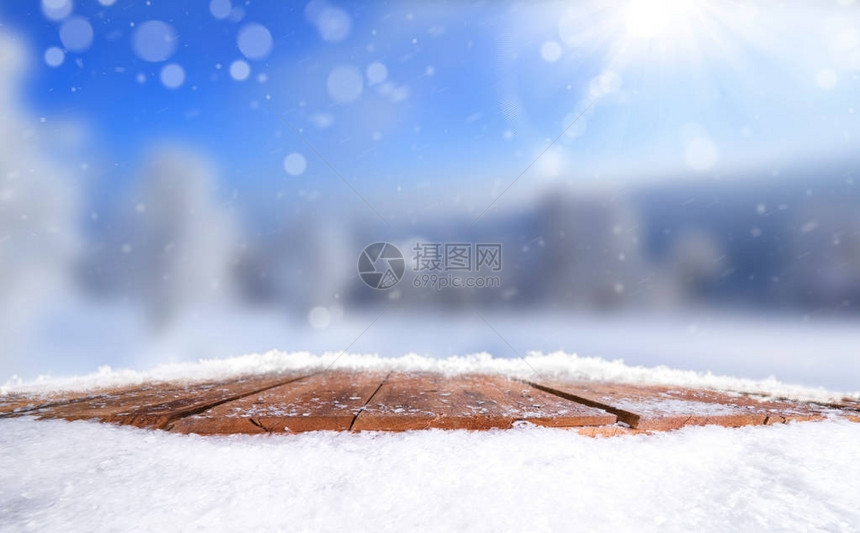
x=399 y=401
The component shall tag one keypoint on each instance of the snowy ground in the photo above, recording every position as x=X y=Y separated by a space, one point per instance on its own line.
x=83 y=476
x=86 y=476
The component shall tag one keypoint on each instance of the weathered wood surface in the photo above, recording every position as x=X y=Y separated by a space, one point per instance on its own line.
x=326 y=401
x=663 y=408
x=850 y=409
x=158 y=404
x=163 y=413
x=399 y=401
x=18 y=404
x=423 y=401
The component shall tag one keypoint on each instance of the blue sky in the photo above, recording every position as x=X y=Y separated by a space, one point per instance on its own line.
x=469 y=94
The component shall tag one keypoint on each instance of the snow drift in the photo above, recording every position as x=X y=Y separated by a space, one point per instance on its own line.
x=82 y=476
x=556 y=365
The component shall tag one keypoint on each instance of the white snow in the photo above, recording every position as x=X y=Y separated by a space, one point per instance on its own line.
x=220 y=9
x=557 y=365
x=674 y=406
x=700 y=154
x=76 y=34
x=344 y=84
x=56 y=9
x=86 y=476
x=172 y=75
x=295 y=164
x=550 y=51
x=376 y=72
x=54 y=56
x=83 y=476
x=254 y=41
x=240 y=70
x=333 y=24
x=154 y=41
x=826 y=79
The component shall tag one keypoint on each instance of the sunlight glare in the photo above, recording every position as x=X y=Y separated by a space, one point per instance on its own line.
x=648 y=19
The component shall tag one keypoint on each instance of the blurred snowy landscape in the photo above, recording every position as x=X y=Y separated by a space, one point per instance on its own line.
x=791 y=351
x=161 y=201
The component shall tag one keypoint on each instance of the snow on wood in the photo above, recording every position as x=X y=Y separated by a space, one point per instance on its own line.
x=429 y=400
x=156 y=405
x=161 y=414
x=17 y=404
x=344 y=400
x=663 y=408
x=325 y=401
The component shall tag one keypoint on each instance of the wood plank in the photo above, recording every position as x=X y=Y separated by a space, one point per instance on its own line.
x=17 y=404
x=110 y=403
x=20 y=404
x=427 y=400
x=664 y=408
x=850 y=409
x=851 y=415
x=326 y=401
x=158 y=404
x=163 y=414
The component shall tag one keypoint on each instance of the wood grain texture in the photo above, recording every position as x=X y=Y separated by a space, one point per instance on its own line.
x=664 y=408
x=326 y=401
x=850 y=409
x=20 y=404
x=158 y=404
x=409 y=401
x=163 y=414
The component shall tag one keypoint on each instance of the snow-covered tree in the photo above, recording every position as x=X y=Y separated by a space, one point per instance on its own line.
x=179 y=243
x=39 y=204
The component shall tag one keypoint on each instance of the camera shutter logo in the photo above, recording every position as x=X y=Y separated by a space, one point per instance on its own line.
x=381 y=265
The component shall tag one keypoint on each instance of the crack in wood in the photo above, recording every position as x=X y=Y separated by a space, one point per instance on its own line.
x=163 y=421
x=363 y=407
x=259 y=425
x=628 y=417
